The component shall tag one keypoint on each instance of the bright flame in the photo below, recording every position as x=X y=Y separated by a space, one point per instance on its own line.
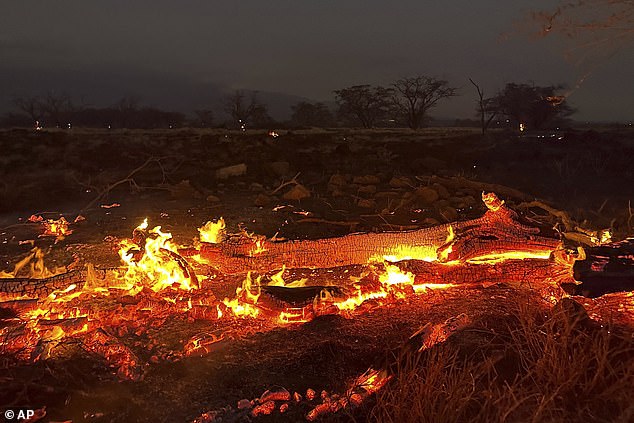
x=259 y=247
x=57 y=228
x=278 y=278
x=509 y=255
x=395 y=276
x=157 y=262
x=243 y=305
x=427 y=253
x=212 y=232
x=32 y=266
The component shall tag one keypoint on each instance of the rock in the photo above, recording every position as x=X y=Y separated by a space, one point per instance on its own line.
x=442 y=191
x=366 y=180
x=182 y=190
x=262 y=200
x=366 y=203
x=212 y=199
x=280 y=168
x=442 y=203
x=390 y=195
x=470 y=201
x=455 y=201
x=400 y=182
x=427 y=195
x=298 y=192
x=338 y=193
x=368 y=190
x=244 y=404
x=229 y=171
x=255 y=187
x=337 y=179
x=449 y=214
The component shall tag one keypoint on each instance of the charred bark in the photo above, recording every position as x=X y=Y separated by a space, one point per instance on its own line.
x=498 y=232
x=606 y=269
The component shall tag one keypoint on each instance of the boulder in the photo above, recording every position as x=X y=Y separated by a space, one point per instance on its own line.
x=366 y=180
x=298 y=192
x=229 y=171
x=427 y=195
x=400 y=182
x=280 y=168
x=262 y=200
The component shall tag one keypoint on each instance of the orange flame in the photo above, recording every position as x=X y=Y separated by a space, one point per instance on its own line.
x=156 y=264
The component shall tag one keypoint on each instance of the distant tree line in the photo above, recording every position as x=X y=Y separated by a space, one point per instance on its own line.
x=405 y=103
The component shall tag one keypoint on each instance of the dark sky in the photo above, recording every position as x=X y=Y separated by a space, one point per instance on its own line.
x=185 y=53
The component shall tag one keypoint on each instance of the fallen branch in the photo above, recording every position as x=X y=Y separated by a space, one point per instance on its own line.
x=129 y=179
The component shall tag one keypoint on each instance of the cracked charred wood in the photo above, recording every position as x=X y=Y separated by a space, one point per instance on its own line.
x=538 y=272
x=37 y=288
x=497 y=232
x=606 y=268
x=14 y=288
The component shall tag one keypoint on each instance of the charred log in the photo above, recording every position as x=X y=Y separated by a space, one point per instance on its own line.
x=498 y=232
x=606 y=269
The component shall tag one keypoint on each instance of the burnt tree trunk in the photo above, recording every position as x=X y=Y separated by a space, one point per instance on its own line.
x=496 y=233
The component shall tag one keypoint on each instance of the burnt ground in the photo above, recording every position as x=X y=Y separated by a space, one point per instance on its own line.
x=383 y=180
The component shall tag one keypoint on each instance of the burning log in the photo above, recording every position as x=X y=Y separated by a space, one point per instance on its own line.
x=532 y=272
x=497 y=234
x=13 y=288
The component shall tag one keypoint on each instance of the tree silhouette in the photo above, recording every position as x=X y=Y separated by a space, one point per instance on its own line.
x=31 y=106
x=245 y=110
x=307 y=114
x=534 y=106
x=418 y=94
x=364 y=104
x=488 y=108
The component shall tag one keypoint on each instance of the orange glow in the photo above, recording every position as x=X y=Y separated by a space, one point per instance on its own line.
x=510 y=255
x=57 y=228
x=212 y=232
x=243 y=305
x=156 y=265
x=32 y=266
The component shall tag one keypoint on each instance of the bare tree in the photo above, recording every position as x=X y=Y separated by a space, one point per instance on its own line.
x=418 y=94
x=58 y=108
x=245 y=111
x=487 y=108
x=32 y=106
x=364 y=104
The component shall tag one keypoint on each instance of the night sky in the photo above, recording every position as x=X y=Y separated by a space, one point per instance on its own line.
x=184 y=55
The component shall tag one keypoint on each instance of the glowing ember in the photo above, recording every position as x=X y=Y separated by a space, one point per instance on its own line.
x=57 y=228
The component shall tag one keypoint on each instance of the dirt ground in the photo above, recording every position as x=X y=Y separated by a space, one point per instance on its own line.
x=304 y=184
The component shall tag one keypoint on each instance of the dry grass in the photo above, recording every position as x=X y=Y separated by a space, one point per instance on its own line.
x=535 y=367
